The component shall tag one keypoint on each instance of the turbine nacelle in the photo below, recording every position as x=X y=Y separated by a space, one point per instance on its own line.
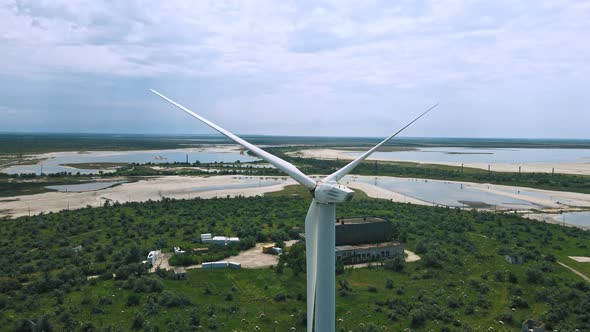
x=332 y=192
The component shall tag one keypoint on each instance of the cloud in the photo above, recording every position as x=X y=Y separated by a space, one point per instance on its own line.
x=331 y=57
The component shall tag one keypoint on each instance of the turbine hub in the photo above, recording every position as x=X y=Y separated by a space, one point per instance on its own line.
x=332 y=192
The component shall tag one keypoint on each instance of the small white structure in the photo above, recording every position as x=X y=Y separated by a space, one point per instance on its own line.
x=214 y=265
x=221 y=265
x=153 y=256
x=219 y=240
x=178 y=251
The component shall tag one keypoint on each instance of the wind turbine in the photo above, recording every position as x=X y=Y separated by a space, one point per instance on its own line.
x=320 y=223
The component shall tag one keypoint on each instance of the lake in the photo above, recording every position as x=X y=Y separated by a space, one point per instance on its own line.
x=248 y=182
x=486 y=155
x=82 y=187
x=55 y=165
x=445 y=193
x=575 y=218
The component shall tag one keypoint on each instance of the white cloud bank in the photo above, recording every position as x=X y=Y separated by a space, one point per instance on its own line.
x=500 y=68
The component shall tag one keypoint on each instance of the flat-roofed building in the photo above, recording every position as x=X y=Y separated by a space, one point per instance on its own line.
x=365 y=239
x=362 y=230
x=179 y=273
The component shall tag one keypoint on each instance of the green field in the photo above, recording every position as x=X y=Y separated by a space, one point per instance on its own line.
x=462 y=282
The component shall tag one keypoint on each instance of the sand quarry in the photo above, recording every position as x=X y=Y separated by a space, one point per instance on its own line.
x=565 y=168
x=187 y=187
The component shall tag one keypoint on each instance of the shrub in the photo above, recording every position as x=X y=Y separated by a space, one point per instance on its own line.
x=389 y=284
x=132 y=300
x=395 y=264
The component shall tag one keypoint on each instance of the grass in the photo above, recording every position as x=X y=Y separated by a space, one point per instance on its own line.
x=466 y=246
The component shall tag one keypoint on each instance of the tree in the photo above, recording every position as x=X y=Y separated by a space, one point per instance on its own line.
x=339 y=267
x=389 y=283
x=396 y=264
x=132 y=300
x=295 y=258
x=138 y=321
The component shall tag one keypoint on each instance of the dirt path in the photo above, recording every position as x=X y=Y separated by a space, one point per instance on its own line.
x=162 y=263
x=575 y=271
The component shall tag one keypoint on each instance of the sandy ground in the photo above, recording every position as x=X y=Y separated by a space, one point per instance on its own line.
x=162 y=262
x=254 y=258
x=180 y=187
x=411 y=257
x=155 y=188
x=566 y=168
x=580 y=259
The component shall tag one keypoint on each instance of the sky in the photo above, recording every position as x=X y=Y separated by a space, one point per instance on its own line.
x=331 y=68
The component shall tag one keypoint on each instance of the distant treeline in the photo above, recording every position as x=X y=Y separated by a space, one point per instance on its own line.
x=27 y=143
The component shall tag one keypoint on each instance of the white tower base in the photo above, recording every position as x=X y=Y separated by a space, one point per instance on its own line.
x=325 y=299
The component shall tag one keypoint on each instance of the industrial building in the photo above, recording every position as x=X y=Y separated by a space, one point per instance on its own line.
x=365 y=239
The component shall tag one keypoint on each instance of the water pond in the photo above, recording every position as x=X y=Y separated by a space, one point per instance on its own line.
x=82 y=187
x=55 y=165
x=491 y=155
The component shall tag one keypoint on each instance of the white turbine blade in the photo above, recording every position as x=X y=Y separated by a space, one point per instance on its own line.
x=311 y=248
x=339 y=174
x=279 y=163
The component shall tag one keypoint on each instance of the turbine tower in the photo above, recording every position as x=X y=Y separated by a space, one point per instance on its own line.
x=320 y=223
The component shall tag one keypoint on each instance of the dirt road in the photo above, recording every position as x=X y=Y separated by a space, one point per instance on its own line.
x=575 y=271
